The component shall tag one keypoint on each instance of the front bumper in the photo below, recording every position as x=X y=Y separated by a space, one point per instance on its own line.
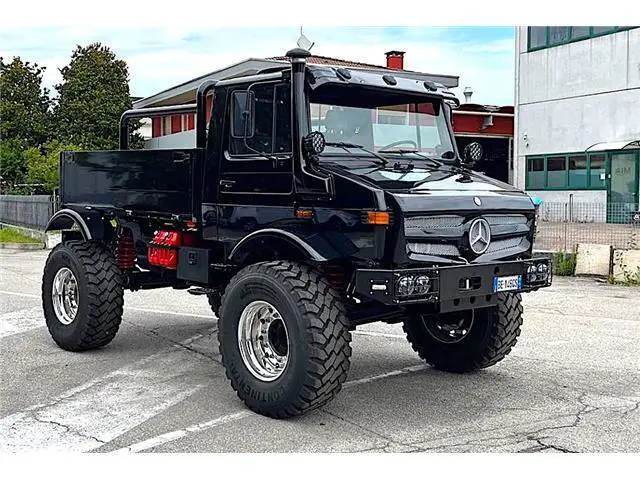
x=451 y=288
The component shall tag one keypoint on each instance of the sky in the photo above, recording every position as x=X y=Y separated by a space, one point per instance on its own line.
x=161 y=57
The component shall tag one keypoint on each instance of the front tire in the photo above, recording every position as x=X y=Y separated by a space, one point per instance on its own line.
x=283 y=338
x=82 y=295
x=480 y=339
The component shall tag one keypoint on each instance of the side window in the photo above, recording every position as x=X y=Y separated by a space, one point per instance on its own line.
x=261 y=117
x=283 y=120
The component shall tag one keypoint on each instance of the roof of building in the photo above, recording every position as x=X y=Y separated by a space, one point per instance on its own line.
x=183 y=92
x=321 y=60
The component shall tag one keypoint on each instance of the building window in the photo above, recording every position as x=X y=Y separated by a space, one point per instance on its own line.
x=537 y=37
x=578 y=171
x=597 y=171
x=544 y=37
x=603 y=30
x=535 y=173
x=566 y=171
x=556 y=172
x=580 y=32
x=559 y=34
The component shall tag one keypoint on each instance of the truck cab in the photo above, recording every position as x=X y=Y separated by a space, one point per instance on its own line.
x=317 y=199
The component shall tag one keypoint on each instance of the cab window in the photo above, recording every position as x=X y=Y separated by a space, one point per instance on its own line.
x=261 y=120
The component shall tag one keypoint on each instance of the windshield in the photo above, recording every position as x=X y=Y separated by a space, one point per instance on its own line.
x=383 y=126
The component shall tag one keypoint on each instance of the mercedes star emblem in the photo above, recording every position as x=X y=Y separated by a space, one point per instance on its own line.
x=479 y=236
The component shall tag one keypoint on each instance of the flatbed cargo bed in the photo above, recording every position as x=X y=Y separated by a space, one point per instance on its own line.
x=158 y=181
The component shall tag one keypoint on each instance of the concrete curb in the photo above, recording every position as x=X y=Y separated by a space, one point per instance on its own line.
x=21 y=246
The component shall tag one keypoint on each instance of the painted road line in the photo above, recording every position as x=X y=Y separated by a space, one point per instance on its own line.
x=169 y=312
x=394 y=373
x=177 y=434
x=21 y=321
x=99 y=411
x=378 y=334
x=135 y=309
x=232 y=417
x=18 y=294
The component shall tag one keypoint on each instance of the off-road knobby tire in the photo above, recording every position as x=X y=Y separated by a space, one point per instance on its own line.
x=492 y=336
x=319 y=340
x=100 y=295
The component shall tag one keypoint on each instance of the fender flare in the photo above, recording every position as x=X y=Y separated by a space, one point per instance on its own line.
x=314 y=246
x=67 y=218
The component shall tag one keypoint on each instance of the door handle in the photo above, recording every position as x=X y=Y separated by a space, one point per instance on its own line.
x=227 y=183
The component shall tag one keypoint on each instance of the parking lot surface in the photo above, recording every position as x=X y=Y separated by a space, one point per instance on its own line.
x=571 y=384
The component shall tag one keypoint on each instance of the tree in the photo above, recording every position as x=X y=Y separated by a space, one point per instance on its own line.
x=24 y=104
x=43 y=170
x=12 y=164
x=93 y=95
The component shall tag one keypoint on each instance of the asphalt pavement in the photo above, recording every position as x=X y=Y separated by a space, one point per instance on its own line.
x=571 y=384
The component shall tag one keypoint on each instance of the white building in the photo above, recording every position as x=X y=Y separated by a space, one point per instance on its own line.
x=577 y=117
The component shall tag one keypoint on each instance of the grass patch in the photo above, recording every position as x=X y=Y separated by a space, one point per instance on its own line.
x=631 y=279
x=565 y=264
x=11 y=235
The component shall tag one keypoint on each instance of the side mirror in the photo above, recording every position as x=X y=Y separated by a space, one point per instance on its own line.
x=313 y=144
x=242 y=121
x=472 y=153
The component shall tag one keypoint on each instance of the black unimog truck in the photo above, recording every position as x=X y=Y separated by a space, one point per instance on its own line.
x=317 y=199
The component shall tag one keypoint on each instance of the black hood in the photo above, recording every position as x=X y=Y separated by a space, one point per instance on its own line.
x=442 y=188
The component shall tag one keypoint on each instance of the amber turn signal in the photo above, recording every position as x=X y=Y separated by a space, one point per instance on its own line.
x=378 y=218
x=304 y=213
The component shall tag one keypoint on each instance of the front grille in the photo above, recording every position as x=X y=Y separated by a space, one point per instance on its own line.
x=439 y=249
x=501 y=220
x=504 y=244
x=433 y=222
x=426 y=234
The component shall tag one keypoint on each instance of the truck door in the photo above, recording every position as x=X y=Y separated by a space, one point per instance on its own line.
x=256 y=168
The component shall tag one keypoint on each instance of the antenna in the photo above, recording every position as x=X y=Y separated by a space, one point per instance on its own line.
x=303 y=42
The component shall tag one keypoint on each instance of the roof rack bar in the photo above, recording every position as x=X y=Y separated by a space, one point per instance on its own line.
x=148 y=112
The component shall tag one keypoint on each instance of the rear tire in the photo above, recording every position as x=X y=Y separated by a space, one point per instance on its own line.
x=492 y=334
x=86 y=314
x=313 y=354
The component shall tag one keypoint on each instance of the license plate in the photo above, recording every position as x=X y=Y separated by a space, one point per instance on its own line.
x=505 y=284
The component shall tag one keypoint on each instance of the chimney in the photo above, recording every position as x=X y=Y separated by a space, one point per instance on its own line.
x=395 y=59
x=468 y=91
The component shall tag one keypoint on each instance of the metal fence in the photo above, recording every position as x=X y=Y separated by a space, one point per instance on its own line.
x=561 y=226
x=31 y=211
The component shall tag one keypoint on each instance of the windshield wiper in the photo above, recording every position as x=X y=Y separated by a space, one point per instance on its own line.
x=404 y=151
x=347 y=146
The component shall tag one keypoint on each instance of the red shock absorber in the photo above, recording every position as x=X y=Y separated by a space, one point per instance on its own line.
x=125 y=251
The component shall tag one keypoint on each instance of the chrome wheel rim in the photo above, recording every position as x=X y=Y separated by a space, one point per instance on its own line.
x=451 y=327
x=263 y=341
x=64 y=293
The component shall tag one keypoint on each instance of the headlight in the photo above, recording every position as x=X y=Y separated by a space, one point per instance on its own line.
x=404 y=286
x=421 y=285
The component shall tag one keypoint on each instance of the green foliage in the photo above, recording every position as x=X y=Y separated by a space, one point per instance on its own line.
x=12 y=164
x=43 y=170
x=24 y=104
x=11 y=235
x=93 y=95
x=631 y=279
x=565 y=264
